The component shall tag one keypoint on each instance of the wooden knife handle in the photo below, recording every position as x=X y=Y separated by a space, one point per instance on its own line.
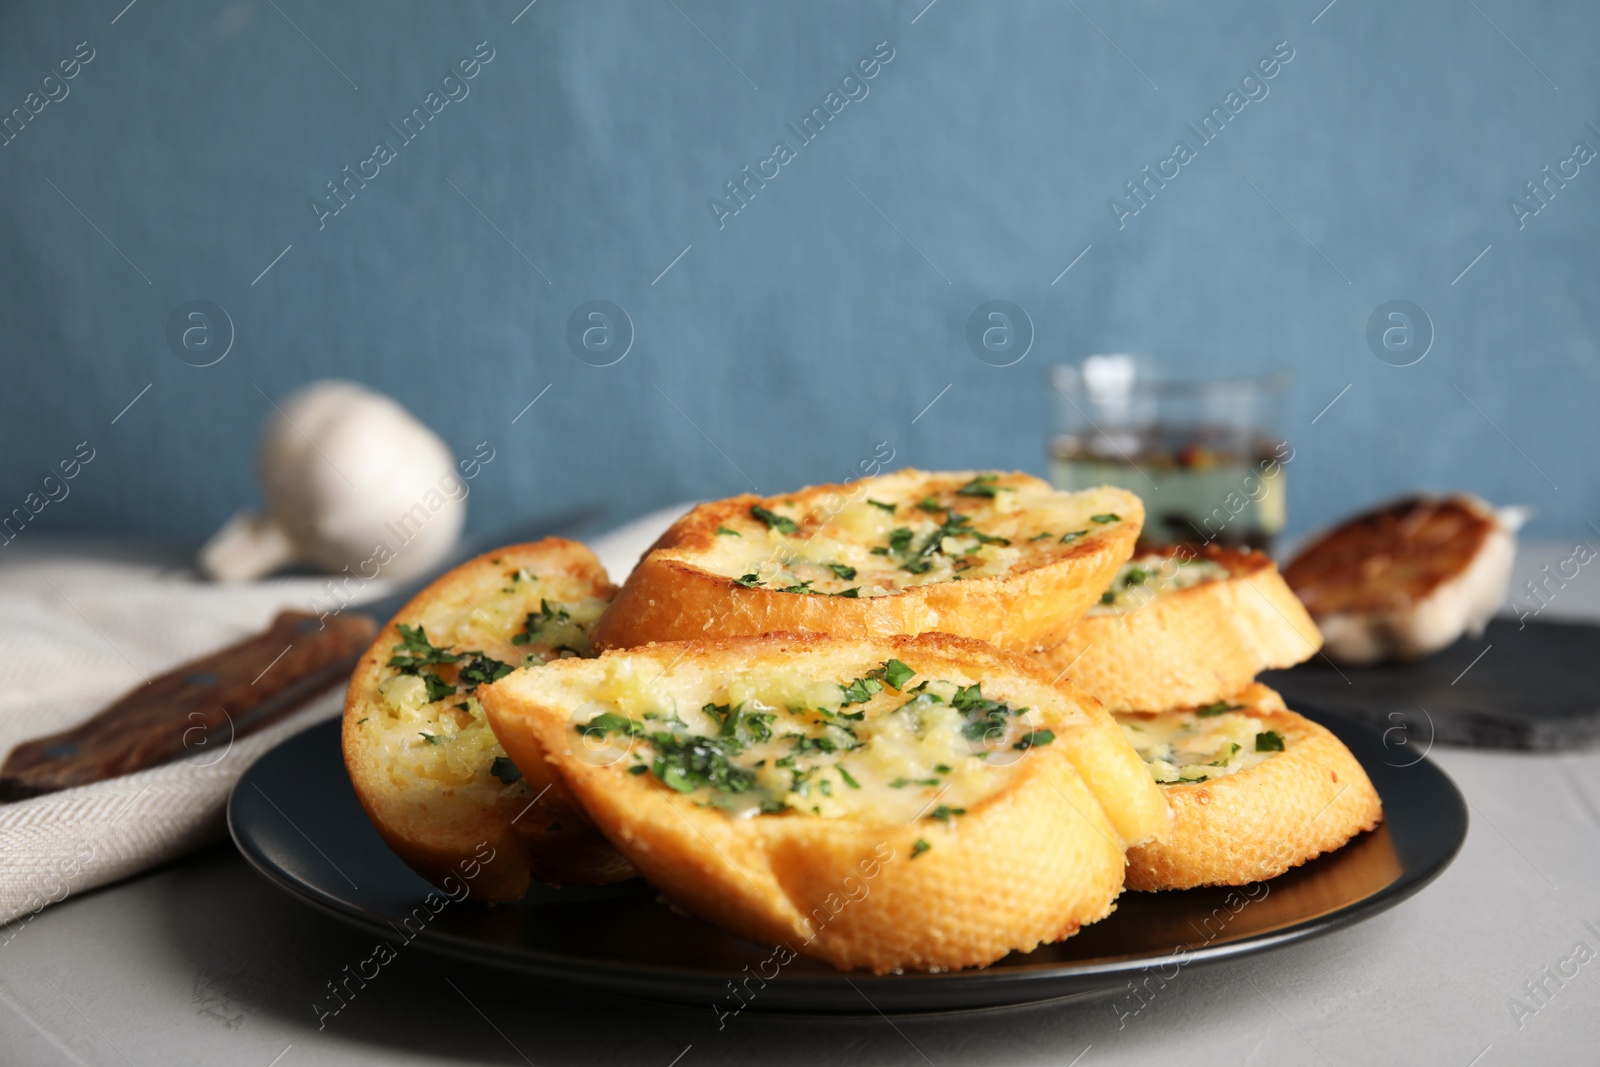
x=202 y=706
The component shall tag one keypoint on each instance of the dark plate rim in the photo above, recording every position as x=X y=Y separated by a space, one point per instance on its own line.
x=996 y=988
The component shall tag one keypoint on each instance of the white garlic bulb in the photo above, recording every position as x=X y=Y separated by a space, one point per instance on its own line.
x=352 y=480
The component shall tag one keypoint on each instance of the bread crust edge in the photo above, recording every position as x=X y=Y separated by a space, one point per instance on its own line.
x=442 y=845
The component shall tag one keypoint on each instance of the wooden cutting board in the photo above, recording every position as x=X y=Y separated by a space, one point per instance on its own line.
x=1533 y=686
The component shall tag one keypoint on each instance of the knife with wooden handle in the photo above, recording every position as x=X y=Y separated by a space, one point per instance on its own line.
x=203 y=704
x=207 y=703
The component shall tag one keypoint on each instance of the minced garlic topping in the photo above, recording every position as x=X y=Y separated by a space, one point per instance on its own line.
x=889 y=745
x=984 y=526
x=431 y=721
x=1199 y=744
x=1141 y=580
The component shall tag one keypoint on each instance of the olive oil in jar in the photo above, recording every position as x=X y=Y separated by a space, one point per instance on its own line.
x=1201 y=484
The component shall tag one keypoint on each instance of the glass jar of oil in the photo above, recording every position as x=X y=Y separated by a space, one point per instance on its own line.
x=1200 y=452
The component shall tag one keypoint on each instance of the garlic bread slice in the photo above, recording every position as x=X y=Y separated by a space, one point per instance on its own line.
x=919 y=803
x=1404 y=580
x=1255 y=790
x=1179 y=627
x=1003 y=558
x=421 y=756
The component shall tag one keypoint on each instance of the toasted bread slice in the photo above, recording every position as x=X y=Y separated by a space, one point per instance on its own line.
x=1407 y=579
x=429 y=772
x=1180 y=627
x=1255 y=790
x=916 y=803
x=1000 y=557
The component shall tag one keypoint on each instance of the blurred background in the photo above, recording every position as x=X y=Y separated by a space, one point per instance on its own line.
x=430 y=200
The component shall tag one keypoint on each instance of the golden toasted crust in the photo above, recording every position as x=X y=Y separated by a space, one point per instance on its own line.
x=1190 y=647
x=670 y=596
x=1257 y=823
x=480 y=831
x=1406 y=579
x=1028 y=864
x=1391 y=557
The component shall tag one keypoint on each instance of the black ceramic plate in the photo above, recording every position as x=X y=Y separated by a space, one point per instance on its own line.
x=296 y=819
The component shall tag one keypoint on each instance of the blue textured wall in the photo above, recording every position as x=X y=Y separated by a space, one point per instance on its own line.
x=824 y=316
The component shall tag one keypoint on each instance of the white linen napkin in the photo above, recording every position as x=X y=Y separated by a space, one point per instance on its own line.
x=78 y=629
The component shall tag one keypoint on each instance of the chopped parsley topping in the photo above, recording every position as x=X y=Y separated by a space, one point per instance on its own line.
x=843 y=738
x=983 y=485
x=954 y=525
x=854 y=716
x=684 y=764
x=773 y=520
x=503 y=769
x=608 y=723
x=773 y=753
x=1222 y=761
x=985 y=539
x=744 y=726
x=900 y=540
x=841 y=571
x=861 y=690
x=725 y=532
x=430 y=738
x=927 y=503
x=537 y=621
x=1108 y=597
x=880 y=504
x=415 y=651
x=1033 y=738
x=920 y=847
x=897 y=674
x=1219 y=708
x=438 y=688
x=1072 y=535
x=1109 y=516
x=1269 y=741
x=750 y=581
x=483 y=670
x=985 y=718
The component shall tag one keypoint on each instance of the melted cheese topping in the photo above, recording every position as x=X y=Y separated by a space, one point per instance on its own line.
x=527 y=620
x=1154 y=574
x=773 y=740
x=900 y=531
x=1188 y=746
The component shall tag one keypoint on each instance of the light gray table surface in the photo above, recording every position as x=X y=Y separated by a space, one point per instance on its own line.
x=202 y=961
